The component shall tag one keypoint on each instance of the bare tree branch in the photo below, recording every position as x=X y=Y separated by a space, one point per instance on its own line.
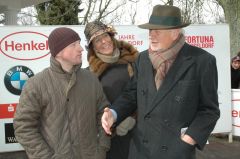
x=2 y=18
x=87 y=13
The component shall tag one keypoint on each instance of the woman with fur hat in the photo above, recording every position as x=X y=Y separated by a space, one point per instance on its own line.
x=111 y=59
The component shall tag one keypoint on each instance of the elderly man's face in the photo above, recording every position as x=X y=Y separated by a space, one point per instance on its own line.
x=162 y=39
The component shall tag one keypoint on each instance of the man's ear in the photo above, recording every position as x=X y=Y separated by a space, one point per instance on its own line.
x=59 y=55
x=175 y=33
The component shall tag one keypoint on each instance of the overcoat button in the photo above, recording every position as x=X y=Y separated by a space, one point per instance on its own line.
x=145 y=141
x=166 y=122
x=164 y=148
x=147 y=117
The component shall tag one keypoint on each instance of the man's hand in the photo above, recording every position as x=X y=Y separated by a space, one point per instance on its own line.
x=186 y=138
x=107 y=120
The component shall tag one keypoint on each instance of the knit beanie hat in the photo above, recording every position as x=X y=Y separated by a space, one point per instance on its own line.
x=96 y=28
x=60 y=38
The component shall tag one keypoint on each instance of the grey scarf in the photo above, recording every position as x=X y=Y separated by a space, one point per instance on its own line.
x=109 y=59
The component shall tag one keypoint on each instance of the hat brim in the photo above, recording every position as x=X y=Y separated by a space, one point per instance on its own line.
x=161 y=27
x=100 y=33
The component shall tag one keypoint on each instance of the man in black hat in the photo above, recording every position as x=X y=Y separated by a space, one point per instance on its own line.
x=174 y=90
x=60 y=109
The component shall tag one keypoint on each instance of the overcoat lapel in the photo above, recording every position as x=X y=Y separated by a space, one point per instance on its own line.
x=179 y=67
x=151 y=90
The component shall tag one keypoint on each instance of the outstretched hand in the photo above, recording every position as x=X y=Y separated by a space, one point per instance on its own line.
x=107 y=120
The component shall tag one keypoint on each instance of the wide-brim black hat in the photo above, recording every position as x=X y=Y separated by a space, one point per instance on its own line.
x=164 y=17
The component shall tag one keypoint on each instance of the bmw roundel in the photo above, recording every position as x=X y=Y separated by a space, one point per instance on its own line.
x=16 y=77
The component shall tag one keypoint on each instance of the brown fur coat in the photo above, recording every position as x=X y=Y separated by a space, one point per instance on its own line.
x=128 y=54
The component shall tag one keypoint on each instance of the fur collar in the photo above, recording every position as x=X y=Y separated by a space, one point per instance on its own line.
x=128 y=54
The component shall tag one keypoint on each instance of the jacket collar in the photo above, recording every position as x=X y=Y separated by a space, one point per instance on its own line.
x=56 y=67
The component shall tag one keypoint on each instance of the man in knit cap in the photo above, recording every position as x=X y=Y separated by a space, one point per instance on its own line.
x=174 y=90
x=59 y=111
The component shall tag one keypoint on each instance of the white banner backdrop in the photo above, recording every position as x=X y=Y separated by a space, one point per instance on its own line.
x=24 y=52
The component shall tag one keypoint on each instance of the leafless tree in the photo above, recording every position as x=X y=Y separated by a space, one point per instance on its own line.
x=99 y=9
x=132 y=10
x=213 y=8
x=191 y=10
x=232 y=15
x=129 y=11
x=2 y=18
x=169 y=2
x=27 y=16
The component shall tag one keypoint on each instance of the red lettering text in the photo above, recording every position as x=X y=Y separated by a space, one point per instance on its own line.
x=32 y=46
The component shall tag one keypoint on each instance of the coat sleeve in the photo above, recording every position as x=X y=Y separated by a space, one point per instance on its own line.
x=104 y=139
x=26 y=123
x=208 y=109
x=126 y=104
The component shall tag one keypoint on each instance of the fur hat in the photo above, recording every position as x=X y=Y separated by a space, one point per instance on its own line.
x=60 y=38
x=96 y=28
x=164 y=17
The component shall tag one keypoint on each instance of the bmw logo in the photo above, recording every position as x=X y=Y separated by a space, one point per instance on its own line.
x=16 y=77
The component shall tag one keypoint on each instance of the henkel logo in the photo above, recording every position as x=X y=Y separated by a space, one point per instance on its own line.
x=25 y=45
